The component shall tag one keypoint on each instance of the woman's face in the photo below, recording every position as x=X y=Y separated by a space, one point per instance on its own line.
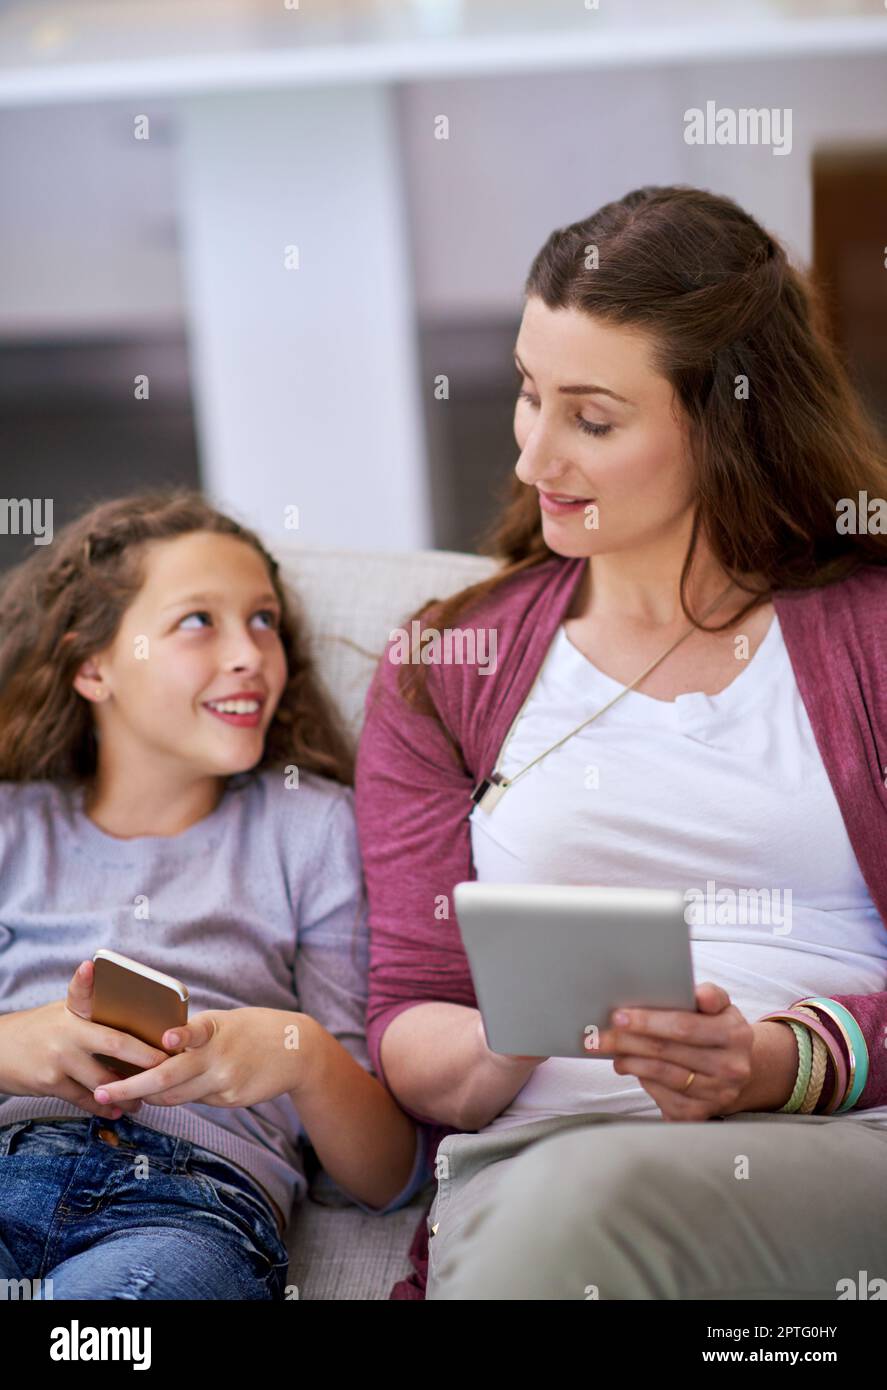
x=593 y=421
x=202 y=629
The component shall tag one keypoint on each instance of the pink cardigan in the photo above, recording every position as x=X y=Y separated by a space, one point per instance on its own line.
x=412 y=797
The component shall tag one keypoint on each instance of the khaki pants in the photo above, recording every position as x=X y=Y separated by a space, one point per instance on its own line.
x=758 y=1205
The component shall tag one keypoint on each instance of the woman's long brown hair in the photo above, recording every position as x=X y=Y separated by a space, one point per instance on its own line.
x=719 y=300
x=65 y=603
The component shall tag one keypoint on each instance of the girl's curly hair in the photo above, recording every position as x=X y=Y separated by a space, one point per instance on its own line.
x=65 y=603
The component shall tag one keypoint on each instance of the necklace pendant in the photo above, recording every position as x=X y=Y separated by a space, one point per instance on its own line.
x=490 y=791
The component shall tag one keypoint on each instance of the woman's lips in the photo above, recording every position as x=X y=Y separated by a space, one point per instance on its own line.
x=548 y=504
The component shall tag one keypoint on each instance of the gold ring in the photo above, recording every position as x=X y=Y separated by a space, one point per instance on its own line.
x=687 y=1084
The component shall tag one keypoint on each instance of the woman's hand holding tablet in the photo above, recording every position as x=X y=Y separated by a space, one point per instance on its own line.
x=662 y=1047
x=544 y=958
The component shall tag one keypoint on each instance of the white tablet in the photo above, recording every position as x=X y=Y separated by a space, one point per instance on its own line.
x=550 y=962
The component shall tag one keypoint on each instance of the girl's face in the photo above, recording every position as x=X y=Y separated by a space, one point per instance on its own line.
x=202 y=629
x=622 y=447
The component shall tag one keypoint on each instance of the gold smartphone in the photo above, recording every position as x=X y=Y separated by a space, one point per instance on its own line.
x=137 y=1000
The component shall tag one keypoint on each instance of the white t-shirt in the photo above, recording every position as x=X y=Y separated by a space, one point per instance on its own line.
x=720 y=796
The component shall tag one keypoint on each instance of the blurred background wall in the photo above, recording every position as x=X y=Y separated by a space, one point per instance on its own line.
x=249 y=208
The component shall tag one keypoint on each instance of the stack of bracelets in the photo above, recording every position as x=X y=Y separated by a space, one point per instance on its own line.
x=833 y=1063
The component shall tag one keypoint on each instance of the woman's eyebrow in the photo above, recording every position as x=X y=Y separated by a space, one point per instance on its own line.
x=589 y=390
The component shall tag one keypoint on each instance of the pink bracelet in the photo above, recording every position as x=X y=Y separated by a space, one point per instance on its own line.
x=836 y=1054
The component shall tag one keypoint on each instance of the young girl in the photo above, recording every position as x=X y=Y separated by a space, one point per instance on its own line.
x=174 y=785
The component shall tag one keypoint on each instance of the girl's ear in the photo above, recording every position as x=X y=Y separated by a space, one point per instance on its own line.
x=90 y=683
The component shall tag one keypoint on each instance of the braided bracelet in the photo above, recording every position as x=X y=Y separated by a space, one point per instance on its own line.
x=812 y=1060
x=818 y=1069
x=815 y=1026
x=802 y=1079
x=857 y=1051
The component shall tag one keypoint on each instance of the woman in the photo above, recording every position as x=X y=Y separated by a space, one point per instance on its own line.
x=677 y=385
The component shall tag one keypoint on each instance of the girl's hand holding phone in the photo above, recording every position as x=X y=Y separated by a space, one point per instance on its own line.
x=232 y=1058
x=48 y=1051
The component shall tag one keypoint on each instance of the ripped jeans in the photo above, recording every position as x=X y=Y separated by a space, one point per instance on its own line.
x=150 y=1216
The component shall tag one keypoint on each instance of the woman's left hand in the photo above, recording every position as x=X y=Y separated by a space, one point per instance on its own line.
x=661 y=1047
x=231 y=1058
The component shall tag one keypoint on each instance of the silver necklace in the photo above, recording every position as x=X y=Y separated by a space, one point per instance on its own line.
x=490 y=790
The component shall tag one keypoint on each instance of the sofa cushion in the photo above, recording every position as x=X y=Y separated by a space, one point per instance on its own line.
x=341 y=1252
x=350 y=600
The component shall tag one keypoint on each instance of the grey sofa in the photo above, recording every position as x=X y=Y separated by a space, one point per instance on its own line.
x=349 y=602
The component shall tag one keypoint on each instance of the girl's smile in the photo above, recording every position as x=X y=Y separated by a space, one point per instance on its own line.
x=242 y=709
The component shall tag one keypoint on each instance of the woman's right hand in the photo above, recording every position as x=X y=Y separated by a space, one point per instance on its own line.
x=47 y=1051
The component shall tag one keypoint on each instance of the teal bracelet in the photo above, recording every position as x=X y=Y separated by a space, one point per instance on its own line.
x=856 y=1045
x=805 y=1055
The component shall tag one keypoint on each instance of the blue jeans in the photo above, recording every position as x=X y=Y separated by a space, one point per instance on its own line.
x=152 y=1217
